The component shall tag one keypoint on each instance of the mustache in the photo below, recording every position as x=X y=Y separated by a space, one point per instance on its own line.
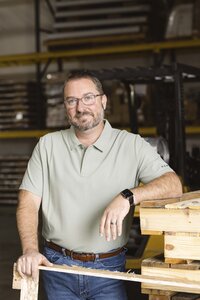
x=80 y=114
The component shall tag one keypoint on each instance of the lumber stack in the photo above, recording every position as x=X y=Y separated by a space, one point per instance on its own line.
x=178 y=220
x=92 y=23
x=12 y=169
x=18 y=105
x=55 y=112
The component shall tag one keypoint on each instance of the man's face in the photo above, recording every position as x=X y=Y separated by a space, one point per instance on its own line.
x=81 y=116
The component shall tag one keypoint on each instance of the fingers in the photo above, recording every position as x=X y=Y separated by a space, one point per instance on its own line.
x=111 y=228
x=27 y=265
x=102 y=225
x=113 y=216
x=46 y=262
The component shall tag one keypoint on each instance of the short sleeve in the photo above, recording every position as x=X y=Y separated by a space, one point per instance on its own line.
x=33 y=177
x=150 y=163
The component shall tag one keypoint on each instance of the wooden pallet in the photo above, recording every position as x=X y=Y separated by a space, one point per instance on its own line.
x=178 y=219
x=177 y=296
x=156 y=266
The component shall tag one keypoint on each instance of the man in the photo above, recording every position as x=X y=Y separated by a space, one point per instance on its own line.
x=86 y=179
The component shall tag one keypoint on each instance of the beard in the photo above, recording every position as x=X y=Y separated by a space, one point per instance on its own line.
x=82 y=123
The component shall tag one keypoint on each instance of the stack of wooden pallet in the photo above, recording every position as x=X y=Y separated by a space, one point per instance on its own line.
x=12 y=169
x=82 y=22
x=55 y=112
x=179 y=220
x=18 y=105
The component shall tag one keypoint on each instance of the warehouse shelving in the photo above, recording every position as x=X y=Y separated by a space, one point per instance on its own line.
x=144 y=131
x=156 y=49
x=44 y=57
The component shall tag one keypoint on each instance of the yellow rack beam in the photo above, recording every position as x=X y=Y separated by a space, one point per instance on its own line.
x=31 y=58
x=144 y=131
x=23 y=134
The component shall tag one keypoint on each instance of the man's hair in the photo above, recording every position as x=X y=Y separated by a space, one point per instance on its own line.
x=79 y=74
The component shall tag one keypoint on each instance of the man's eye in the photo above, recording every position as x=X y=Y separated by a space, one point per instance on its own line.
x=88 y=97
x=71 y=101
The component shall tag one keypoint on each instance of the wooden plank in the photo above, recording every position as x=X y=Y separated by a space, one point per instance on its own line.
x=28 y=286
x=158 y=261
x=166 y=283
x=177 y=296
x=159 y=297
x=174 y=220
x=192 y=204
x=64 y=4
x=16 y=283
x=97 y=32
x=159 y=269
x=157 y=292
x=29 y=289
x=182 y=245
x=152 y=232
x=162 y=202
x=185 y=296
x=158 y=203
x=102 y=11
x=171 y=260
x=109 y=21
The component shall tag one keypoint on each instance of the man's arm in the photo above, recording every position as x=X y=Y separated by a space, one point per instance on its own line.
x=165 y=186
x=27 y=223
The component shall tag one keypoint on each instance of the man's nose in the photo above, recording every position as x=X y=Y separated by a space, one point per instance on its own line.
x=79 y=105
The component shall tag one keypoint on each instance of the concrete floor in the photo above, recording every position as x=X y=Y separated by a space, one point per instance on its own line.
x=10 y=250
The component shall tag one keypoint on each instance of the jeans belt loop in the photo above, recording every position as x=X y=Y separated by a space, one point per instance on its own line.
x=63 y=252
x=71 y=254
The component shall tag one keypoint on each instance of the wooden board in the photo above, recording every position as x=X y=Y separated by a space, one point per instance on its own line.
x=184 y=296
x=173 y=220
x=182 y=245
x=157 y=292
x=177 y=296
x=169 y=283
x=160 y=269
x=159 y=297
x=191 y=204
x=162 y=202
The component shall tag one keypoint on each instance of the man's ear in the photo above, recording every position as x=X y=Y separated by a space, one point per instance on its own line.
x=104 y=101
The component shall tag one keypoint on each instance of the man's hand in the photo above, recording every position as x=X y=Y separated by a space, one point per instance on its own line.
x=113 y=216
x=28 y=263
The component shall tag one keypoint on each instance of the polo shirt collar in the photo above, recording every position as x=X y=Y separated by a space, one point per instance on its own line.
x=105 y=137
x=102 y=142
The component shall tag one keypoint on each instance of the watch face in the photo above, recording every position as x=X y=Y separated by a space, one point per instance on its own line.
x=126 y=193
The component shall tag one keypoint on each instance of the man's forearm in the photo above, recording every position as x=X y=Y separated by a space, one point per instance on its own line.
x=165 y=186
x=27 y=221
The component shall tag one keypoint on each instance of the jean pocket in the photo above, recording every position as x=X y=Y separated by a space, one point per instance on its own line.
x=115 y=263
x=52 y=255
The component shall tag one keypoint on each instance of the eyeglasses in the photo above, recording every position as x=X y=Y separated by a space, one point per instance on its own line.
x=88 y=99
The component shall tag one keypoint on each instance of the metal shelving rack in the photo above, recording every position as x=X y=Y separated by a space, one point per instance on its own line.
x=133 y=49
x=158 y=49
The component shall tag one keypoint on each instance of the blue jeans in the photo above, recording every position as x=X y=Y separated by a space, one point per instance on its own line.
x=62 y=286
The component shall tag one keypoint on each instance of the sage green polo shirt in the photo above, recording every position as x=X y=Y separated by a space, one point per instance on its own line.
x=76 y=183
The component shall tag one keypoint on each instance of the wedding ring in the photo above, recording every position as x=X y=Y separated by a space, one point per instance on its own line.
x=112 y=223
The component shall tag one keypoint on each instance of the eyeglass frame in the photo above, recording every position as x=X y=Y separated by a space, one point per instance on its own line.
x=81 y=99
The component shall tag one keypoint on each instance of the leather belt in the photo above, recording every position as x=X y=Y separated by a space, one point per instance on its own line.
x=82 y=256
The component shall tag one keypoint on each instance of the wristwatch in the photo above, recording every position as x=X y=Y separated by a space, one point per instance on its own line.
x=127 y=194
